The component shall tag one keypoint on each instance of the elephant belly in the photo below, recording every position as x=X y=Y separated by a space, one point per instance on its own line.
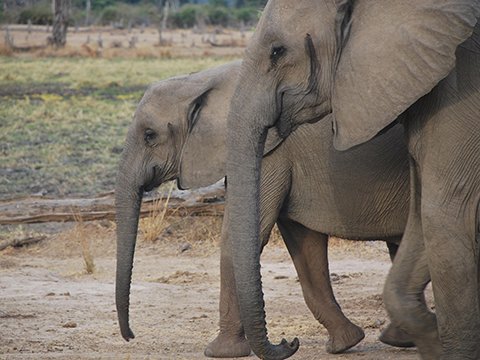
x=358 y=212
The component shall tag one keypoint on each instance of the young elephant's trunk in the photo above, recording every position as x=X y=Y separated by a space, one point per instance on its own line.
x=128 y=198
x=244 y=158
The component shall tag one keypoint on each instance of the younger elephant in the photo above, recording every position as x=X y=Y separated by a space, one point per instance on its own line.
x=308 y=189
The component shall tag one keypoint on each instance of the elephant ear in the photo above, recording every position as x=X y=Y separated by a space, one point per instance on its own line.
x=396 y=52
x=203 y=158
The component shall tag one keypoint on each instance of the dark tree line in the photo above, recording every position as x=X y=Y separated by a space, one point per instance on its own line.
x=164 y=13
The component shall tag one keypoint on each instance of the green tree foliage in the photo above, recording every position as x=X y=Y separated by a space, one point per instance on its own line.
x=137 y=12
x=217 y=3
x=186 y=17
x=247 y=14
x=39 y=14
x=219 y=15
x=136 y=15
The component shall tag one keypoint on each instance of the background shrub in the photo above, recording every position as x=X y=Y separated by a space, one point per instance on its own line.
x=225 y=13
x=186 y=17
x=39 y=14
x=219 y=15
x=136 y=15
x=247 y=15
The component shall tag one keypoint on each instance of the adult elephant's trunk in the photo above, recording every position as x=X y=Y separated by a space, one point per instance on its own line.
x=245 y=145
x=128 y=198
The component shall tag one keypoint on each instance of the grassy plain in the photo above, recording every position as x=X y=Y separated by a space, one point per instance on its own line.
x=63 y=121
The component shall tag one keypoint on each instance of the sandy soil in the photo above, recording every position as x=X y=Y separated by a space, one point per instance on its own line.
x=118 y=43
x=51 y=309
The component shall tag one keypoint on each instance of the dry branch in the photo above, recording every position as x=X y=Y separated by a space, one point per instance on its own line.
x=21 y=242
x=217 y=45
x=36 y=209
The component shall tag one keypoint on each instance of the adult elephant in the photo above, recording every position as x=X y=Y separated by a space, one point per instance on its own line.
x=370 y=62
x=310 y=190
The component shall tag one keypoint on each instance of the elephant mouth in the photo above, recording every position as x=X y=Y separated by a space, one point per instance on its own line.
x=153 y=183
x=291 y=116
x=179 y=185
x=314 y=113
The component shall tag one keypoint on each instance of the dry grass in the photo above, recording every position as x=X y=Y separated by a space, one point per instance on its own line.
x=82 y=239
x=21 y=231
x=6 y=50
x=79 y=235
x=118 y=44
x=100 y=72
x=365 y=248
x=205 y=231
x=153 y=225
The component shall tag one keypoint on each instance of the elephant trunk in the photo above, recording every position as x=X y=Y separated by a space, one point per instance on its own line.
x=128 y=199
x=244 y=159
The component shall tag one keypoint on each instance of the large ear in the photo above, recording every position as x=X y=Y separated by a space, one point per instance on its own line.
x=396 y=52
x=203 y=159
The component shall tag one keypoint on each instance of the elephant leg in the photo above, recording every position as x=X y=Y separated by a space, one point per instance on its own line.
x=408 y=278
x=392 y=335
x=308 y=250
x=231 y=341
x=453 y=261
x=392 y=249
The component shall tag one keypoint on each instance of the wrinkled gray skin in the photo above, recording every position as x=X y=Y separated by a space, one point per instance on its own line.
x=312 y=191
x=180 y=130
x=368 y=62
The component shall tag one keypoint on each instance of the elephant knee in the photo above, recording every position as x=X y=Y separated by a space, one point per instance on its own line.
x=392 y=299
x=399 y=301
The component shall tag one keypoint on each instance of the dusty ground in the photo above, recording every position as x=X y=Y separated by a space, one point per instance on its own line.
x=116 y=43
x=51 y=309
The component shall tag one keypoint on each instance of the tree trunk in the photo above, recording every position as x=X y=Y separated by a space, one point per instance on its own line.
x=165 y=16
x=160 y=6
x=60 y=22
x=87 y=14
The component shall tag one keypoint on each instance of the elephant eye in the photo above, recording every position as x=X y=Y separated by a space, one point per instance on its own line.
x=277 y=53
x=150 y=135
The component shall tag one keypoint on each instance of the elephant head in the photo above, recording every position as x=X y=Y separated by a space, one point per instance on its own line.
x=365 y=61
x=178 y=132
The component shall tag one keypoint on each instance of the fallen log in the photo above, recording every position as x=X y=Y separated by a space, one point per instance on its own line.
x=217 y=44
x=28 y=48
x=36 y=209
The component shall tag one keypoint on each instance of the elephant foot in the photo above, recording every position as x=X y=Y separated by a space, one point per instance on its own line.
x=393 y=336
x=430 y=347
x=344 y=339
x=225 y=346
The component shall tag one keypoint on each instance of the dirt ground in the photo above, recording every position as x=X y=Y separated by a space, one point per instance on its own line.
x=51 y=309
x=136 y=43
